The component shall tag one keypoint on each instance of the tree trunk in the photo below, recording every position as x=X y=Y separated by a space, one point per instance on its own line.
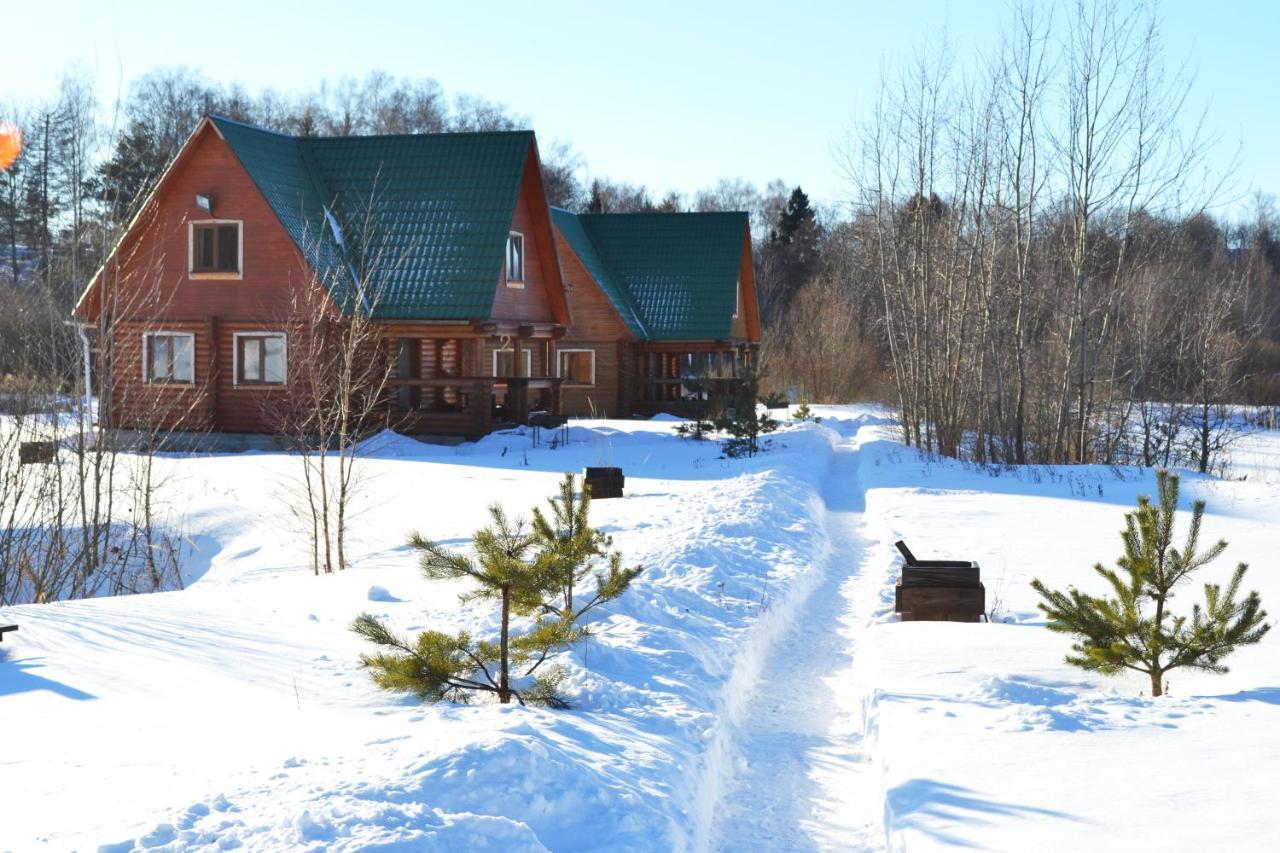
x=504 y=683
x=1157 y=682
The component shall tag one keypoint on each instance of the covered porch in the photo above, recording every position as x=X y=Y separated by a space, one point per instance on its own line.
x=672 y=376
x=471 y=380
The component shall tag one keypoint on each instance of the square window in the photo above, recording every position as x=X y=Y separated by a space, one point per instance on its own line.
x=169 y=357
x=578 y=366
x=215 y=247
x=260 y=359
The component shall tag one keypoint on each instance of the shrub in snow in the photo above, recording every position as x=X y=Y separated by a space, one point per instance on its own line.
x=774 y=400
x=802 y=413
x=744 y=422
x=531 y=573
x=1118 y=632
x=705 y=405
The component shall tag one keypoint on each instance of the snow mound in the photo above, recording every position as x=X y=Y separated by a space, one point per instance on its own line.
x=381 y=593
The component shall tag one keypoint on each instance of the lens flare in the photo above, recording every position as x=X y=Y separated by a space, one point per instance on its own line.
x=10 y=144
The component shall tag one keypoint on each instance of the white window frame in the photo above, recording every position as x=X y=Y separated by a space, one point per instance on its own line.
x=147 y=378
x=528 y=362
x=572 y=350
x=191 y=250
x=235 y=358
x=515 y=282
x=737 y=299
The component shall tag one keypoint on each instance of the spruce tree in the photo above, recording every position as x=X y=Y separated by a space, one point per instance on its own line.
x=1133 y=629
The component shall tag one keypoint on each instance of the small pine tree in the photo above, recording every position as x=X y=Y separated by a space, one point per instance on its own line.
x=572 y=547
x=507 y=569
x=704 y=406
x=531 y=572
x=744 y=422
x=1115 y=633
x=802 y=413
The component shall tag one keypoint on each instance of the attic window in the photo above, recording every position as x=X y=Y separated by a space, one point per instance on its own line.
x=515 y=259
x=215 y=248
x=737 y=299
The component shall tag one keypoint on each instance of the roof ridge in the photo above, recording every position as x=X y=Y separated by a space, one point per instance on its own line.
x=260 y=129
x=437 y=134
x=670 y=213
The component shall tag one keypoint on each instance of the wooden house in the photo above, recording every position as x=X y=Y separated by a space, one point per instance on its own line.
x=486 y=310
x=657 y=299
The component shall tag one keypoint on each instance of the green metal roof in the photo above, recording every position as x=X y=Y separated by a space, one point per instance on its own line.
x=422 y=219
x=671 y=276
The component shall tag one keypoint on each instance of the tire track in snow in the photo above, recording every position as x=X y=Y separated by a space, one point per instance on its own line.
x=791 y=772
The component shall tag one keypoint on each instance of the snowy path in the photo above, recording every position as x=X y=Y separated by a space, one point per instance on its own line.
x=799 y=780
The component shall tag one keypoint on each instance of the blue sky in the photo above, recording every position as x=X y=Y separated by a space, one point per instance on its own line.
x=670 y=94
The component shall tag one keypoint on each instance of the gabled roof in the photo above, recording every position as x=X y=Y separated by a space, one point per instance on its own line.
x=671 y=276
x=427 y=215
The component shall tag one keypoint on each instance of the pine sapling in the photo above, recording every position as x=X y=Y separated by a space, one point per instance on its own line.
x=803 y=413
x=573 y=550
x=1133 y=629
x=534 y=573
x=744 y=423
x=507 y=569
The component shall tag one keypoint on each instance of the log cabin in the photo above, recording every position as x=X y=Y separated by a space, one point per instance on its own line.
x=657 y=299
x=490 y=306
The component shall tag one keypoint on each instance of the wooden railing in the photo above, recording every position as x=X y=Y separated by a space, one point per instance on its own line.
x=470 y=407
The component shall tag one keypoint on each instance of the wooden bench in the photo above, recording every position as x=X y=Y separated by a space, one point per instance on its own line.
x=4 y=629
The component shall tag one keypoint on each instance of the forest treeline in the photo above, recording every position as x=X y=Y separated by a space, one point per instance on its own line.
x=1025 y=262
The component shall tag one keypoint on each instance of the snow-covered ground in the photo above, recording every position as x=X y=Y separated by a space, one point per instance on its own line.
x=752 y=691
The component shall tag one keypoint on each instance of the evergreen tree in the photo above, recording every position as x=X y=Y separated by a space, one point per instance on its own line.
x=531 y=572
x=572 y=548
x=130 y=172
x=705 y=404
x=795 y=247
x=1118 y=632
x=507 y=569
x=743 y=421
x=803 y=413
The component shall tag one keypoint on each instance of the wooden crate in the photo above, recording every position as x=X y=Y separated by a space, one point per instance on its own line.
x=34 y=452
x=935 y=603
x=603 y=482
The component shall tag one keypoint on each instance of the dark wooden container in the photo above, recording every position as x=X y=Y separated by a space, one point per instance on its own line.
x=933 y=603
x=939 y=590
x=33 y=452
x=603 y=482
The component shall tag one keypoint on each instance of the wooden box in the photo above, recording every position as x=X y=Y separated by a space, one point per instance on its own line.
x=940 y=603
x=33 y=452
x=603 y=482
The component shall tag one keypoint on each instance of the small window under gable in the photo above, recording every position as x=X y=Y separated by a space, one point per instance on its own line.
x=737 y=299
x=515 y=259
x=215 y=248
